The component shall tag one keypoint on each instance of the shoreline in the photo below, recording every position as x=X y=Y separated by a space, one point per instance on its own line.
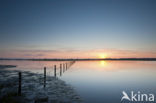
x=33 y=91
x=7 y=66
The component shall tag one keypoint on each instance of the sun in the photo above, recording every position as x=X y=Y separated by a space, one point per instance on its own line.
x=102 y=55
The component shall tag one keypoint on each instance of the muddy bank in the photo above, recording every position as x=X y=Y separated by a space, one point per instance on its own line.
x=7 y=66
x=33 y=91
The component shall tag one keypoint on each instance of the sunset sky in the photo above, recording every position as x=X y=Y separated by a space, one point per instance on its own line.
x=77 y=28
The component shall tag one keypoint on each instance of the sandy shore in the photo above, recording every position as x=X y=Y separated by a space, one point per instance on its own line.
x=33 y=91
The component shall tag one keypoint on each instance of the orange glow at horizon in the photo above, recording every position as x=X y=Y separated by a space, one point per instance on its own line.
x=113 y=53
x=103 y=55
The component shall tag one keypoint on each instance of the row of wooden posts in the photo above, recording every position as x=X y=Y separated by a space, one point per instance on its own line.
x=63 y=67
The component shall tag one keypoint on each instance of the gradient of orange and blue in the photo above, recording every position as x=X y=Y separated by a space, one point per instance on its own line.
x=77 y=28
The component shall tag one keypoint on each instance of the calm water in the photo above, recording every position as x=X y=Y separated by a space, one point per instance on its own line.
x=100 y=81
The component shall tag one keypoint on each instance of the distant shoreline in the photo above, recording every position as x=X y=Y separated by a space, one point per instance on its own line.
x=112 y=59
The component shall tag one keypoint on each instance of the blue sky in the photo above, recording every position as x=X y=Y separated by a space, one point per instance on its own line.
x=78 y=25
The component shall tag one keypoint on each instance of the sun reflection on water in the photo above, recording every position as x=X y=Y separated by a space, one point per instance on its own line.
x=103 y=63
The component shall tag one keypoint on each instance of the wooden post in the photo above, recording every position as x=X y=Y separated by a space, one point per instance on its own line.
x=19 y=85
x=44 y=77
x=55 y=70
x=63 y=67
x=60 y=69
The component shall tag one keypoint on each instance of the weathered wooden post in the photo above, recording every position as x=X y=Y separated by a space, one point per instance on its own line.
x=19 y=83
x=63 y=67
x=44 y=77
x=60 y=69
x=55 y=70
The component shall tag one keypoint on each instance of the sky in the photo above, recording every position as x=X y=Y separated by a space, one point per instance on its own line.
x=77 y=28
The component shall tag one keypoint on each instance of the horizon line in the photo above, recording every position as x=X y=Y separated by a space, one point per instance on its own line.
x=78 y=59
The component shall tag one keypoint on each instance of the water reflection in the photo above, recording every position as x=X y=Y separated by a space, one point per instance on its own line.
x=104 y=81
x=103 y=63
x=100 y=81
